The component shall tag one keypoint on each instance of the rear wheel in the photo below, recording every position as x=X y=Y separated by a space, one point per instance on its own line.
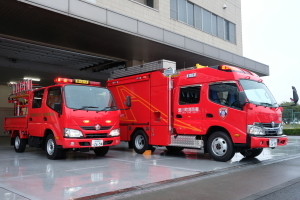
x=101 y=151
x=140 y=142
x=251 y=153
x=171 y=148
x=19 y=144
x=52 y=150
x=220 y=147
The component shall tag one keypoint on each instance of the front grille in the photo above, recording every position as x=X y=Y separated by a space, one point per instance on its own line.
x=102 y=135
x=92 y=128
x=269 y=125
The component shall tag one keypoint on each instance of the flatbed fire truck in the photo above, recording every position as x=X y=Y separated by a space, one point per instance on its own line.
x=73 y=114
x=221 y=109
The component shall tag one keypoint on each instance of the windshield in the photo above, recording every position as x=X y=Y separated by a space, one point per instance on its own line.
x=258 y=93
x=81 y=97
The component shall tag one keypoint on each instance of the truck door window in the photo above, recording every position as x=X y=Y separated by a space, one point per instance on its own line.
x=189 y=95
x=54 y=96
x=225 y=94
x=37 y=99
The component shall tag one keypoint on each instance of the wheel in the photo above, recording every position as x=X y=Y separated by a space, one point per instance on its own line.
x=220 y=147
x=140 y=142
x=251 y=153
x=52 y=150
x=101 y=151
x=19 y=144
x=171 y=148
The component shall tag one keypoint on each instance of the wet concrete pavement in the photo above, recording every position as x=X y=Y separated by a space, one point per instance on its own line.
x=30 y=175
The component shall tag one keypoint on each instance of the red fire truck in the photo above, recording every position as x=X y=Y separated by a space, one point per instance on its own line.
x=222 y=109
x=73 y=114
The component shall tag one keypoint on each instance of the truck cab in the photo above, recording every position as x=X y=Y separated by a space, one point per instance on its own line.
x=74 y=114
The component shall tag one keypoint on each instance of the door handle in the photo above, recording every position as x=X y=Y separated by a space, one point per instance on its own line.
x=45 y=118
x=209 y=115
x=30 y=119
x=178 y=116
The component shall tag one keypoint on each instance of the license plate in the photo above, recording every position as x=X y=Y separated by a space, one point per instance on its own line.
x=273 y=143
x=97 y=143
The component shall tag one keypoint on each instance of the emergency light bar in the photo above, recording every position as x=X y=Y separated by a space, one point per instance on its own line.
x=76 y=81
x=228 y=68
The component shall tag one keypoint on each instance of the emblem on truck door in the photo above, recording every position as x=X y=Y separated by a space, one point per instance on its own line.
x=97 y=127
x=223 y=112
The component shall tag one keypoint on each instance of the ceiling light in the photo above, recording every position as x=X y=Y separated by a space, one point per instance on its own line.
x=34 y=79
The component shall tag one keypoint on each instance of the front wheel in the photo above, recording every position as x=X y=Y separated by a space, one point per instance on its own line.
x=251 y=153
x=101 y=151
x=220 y=147
x=52 y=150
x=140 y=142
x=19 y=144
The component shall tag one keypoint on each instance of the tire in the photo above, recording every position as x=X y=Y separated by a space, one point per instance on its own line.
x=251 y=153
x=101 y=151
x=53 y=152
x=171 y=148
x=220 y=147
x=19 y=144
x=140 y=142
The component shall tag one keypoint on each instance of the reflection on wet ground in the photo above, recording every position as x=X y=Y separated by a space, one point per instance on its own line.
x=30 y=175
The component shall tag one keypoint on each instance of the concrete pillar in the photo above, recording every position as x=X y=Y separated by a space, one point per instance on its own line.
x=131 y=63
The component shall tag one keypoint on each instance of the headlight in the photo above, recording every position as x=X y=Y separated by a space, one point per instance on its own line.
x=255 y=130
x=115 y=132
x=72 y=133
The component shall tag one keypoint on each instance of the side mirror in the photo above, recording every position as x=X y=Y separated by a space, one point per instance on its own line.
x=128 y=101
x=57 y=107
x=242 y=98
x=295 y=95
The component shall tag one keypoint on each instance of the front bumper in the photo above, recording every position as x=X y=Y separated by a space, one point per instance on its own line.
x=68 y=143
x=263 y=142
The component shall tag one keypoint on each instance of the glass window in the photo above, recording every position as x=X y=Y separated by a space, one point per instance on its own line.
x=37 y=98
x=220 y=27
x=232 y=32
x=206 y=21
x=226 y=29
x=198 y=17
x=214 y=24
x=225 y=94
x=174 y=9
x=258 y=93
x=54 y=97
x=90 y=98
x=149 y=3
x=190 y=7
x=182 y=15
x=189 y=95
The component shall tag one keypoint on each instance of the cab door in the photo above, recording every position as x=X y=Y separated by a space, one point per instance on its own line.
x=36 y=110
x=188 y=111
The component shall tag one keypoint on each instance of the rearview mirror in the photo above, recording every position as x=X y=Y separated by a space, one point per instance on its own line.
x=128 y=101
x=242 y=98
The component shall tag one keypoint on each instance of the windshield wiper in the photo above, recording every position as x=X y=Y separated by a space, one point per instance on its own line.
x=84 y=107
x=105 y=108
x=266 y=104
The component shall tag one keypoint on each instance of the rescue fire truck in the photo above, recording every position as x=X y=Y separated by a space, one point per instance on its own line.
x=221 y=109
x=73 y=114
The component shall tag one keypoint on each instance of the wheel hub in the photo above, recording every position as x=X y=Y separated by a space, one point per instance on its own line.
x=219 y=146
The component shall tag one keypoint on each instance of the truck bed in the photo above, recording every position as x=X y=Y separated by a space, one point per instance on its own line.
x=15 y=122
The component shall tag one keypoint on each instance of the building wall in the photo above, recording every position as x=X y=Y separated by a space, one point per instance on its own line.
x=6 y=109
x=160 y=16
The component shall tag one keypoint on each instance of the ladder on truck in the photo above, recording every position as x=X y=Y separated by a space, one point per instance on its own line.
x=19 y=96
x=166 y=66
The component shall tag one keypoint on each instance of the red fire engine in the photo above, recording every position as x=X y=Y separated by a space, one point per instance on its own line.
x=73 y=114
x=222 y=109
